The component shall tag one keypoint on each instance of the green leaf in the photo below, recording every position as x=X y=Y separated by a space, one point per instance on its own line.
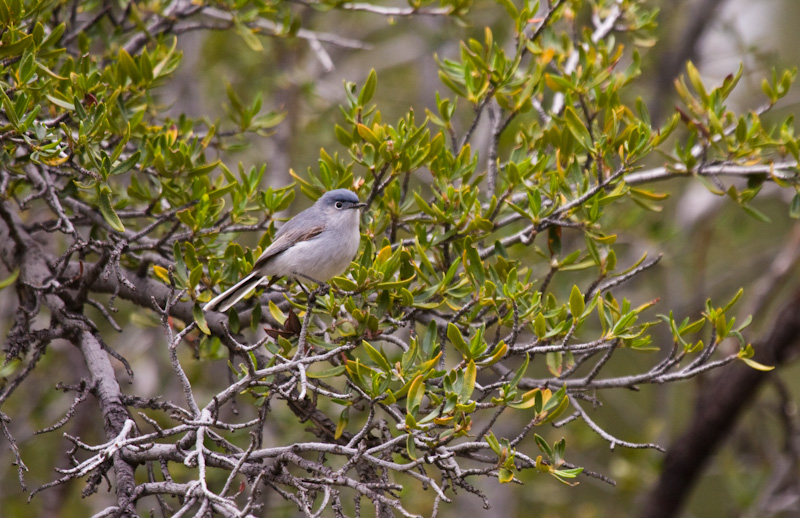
x=368 y=135
x=511 y=9
x=577 y=128
x=344 y=418
x=202 y=170
x=576 y=303
x=758 y=366
x=540 y=326
x=528 y=400
x=543 y=446
x=248 y=36
x=493 y=443
x=327 y=373
x=556 y=400
x=415 y=394
x=757 y=214
x=10 y=279
x=697 y=82
x=60 y=102
x=520 y=372
x=377 y=357
x=127 y=164
x=475 y=266
x=128 y=65
x=505 y=475
x=455 y=337
x=470 y=374
x=104 y=202
x=733 y=300
x=200 y=318
x=54 y=36
x=369 y=88
x=411 y=448
x=16 y=48
x=555 y=362
x=794 y=211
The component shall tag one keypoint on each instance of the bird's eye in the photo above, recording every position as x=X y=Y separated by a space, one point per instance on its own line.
x=339 y=205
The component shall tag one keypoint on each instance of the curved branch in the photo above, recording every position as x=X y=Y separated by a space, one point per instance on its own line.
x=782 y=170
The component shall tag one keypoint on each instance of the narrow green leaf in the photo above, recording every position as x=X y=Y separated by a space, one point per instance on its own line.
x=577 y=128
x=555 y=361
x=344 y=418
x=758 y=366
x=127 y=164
x=540 y=326
x=377 y=357
x=576 y=303
x=470 y=375
x=757 y=214
x=327 y=373
x=368 y=135
x=108 y=212
x=10 y=279
x=794 y=211
x=527 y=401
x=455 y=337
x=60 y=102
x=369 y=88
x=415 y=394
x=128 y=65
x=16 y=48
x=520 y=372
x=200 y=318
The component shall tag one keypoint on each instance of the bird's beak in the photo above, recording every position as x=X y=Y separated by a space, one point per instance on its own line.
x=358 y=205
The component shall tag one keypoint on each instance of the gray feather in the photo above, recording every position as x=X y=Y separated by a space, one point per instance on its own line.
x=316 y=244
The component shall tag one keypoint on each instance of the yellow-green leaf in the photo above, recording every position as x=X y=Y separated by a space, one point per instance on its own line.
x=577 y=128
x=470 y=374
x=16 y=48
x=368 y=135
x=377 y=357
x=576 y=303
x=276 y=313
x=200 y=318
x=344 y=418
x=755 y=365
x=327 y=373
x=108 y=212
x=527 y=401
x=161 y=273
x=10 y=279
x=504 y=475
x=415 y=394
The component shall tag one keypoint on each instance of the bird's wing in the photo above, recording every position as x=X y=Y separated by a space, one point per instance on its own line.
x=286 y=240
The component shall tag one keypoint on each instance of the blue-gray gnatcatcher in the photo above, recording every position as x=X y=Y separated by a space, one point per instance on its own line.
x=315 y=245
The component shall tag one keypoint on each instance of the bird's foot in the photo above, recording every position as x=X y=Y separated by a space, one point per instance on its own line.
x=323 y=288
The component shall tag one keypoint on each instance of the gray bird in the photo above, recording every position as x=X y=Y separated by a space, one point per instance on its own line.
x=315 y=245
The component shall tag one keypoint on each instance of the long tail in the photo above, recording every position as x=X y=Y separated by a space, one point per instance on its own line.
x=234 y=294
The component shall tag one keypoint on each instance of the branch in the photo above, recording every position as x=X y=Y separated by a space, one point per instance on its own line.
x=781 y=170
x=602 y=29
x=35 y=274
x=396 y=11
x=304 y=34
x=607 y=436
x=719 y=407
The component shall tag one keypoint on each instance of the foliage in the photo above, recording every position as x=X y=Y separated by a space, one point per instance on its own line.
x=472 y=269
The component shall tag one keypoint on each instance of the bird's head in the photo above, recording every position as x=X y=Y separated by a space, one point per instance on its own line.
x=339 y=202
